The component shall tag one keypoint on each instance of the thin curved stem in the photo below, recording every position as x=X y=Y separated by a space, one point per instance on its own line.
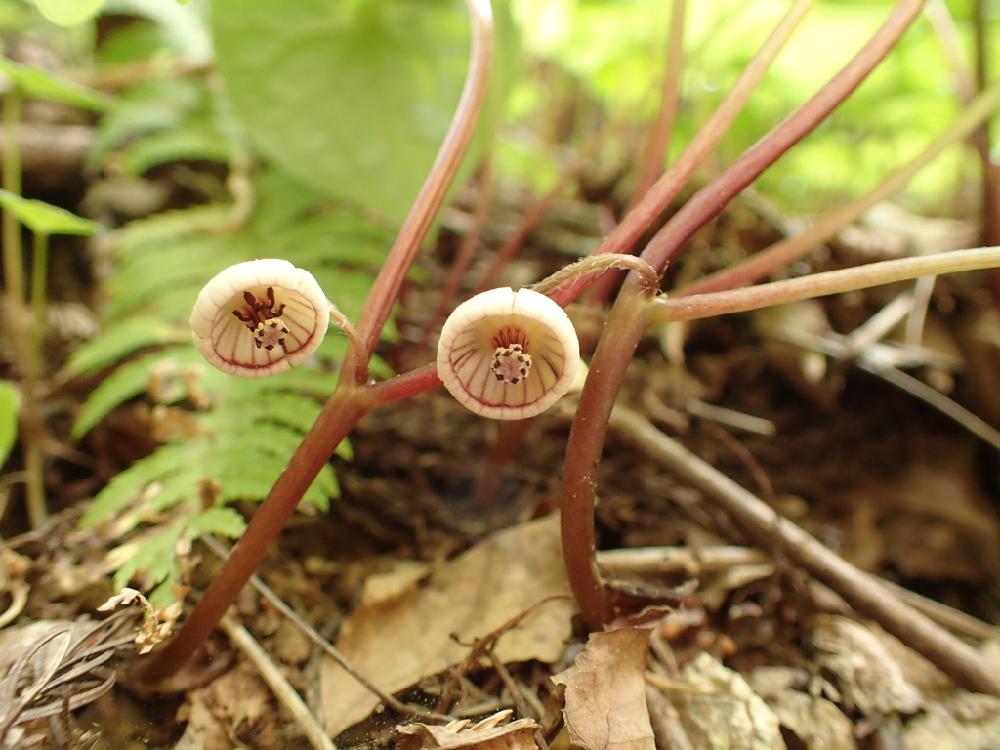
x=990 y=192
x=404 y=386
x=338 y=417
x=390 y=279
x=695 y=306
x=349 y=402
x=12 y=262
x=657 y=198
x=593 y=265
x=658 y=137
x=708 y=202
x=536 y=212
x=34 y=436
x=624 y=329
x=463 y=258
x=354 y=341
x=785 y=251
x=628 y=321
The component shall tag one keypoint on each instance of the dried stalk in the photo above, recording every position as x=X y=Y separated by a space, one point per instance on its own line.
x=821 y=284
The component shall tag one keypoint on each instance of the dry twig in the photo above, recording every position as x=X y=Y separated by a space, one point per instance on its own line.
x=864 y=592
x=240 y=637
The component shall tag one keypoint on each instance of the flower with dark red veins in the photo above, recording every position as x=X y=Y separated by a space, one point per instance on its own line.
x=507 y=354
x=259 y=318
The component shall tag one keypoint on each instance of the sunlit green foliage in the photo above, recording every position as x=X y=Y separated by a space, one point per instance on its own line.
x=44 y=218
x=10 y=401
x=68 y=12
x=614 y=51
x=36 y=83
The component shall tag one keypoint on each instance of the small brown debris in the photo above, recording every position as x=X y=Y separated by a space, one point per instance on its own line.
x=492 y=733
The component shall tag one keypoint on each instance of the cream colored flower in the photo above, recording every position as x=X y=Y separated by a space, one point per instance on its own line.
x=259 y=318
x=507 y=354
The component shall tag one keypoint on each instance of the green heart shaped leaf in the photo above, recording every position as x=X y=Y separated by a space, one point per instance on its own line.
x=353 y=98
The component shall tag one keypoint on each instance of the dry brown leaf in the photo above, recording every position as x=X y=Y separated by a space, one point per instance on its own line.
x=817 y=722
x=489 y=734
x=721 y=712
x=907 y=525
x=606 y=692
x=404 y=575
x=965 y=721
x=234 y=705
x=868 y=675
x=398 y=642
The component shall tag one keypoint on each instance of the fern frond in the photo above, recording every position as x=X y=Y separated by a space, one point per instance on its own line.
x=241 y=432
x=191 y=143
x=153 y=555
x=121 y=340
x=125 y=487
x=160 y=230
x=127 y=382
x=223 y=521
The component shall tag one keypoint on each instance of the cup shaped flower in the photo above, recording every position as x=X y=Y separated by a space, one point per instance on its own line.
x=259 y=318
x=507 y=354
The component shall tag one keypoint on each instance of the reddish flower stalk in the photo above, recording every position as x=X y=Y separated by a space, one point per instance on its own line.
x=467 y=248
x=390 y=279
x=787 y=250
x=404 y=386
x=990 y=169
x=624 y=329
x=658 y=137
x=707 y=203
x=349 y=402
x=537 y=211
x=659 y=197
x=628 y=320
x=345 y=407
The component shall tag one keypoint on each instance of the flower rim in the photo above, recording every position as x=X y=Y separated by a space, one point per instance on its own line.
x=479 y=353
x=280 y=324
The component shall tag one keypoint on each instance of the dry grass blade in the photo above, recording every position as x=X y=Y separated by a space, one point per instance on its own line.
x=71 y=677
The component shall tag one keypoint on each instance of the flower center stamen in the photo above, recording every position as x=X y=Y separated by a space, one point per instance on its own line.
x=256 y=311
x=270 y=333
x=509 y=336
x=510 y=364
